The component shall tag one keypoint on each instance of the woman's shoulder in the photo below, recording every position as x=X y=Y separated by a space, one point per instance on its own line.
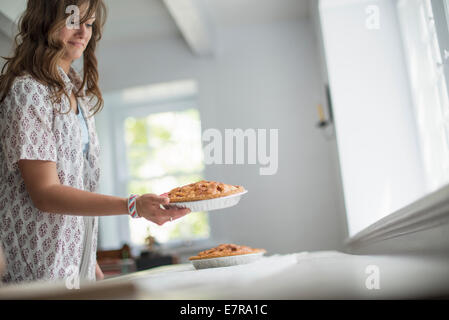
x=27 y=84
x=26 y=92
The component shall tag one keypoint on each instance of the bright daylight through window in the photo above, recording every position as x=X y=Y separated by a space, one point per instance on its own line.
x=164 y=151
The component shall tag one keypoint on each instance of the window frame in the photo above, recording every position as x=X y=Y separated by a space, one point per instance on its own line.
x=441 y=16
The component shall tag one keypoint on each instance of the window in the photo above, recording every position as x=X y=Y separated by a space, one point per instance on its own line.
x=151 y=143
x=390 y=102
x=163 y=151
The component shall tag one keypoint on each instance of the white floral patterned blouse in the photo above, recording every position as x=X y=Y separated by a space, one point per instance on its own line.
x=39 y=245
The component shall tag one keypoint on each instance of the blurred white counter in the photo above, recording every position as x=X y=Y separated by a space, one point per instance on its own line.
x=304 y=275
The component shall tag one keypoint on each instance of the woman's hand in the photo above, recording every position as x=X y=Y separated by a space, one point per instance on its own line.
x=149 y=207
x=98 y=273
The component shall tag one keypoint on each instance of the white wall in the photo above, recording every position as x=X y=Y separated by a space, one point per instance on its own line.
x=264 y=76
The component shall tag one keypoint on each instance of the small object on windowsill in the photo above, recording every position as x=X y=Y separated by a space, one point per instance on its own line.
x=151 y=243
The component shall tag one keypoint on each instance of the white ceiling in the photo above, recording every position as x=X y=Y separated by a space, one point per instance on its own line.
x=138 y=19
x=150 y=19
x=239 y=12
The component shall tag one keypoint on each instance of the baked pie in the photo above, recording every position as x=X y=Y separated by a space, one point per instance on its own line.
x=225 y=250
x=203 y=190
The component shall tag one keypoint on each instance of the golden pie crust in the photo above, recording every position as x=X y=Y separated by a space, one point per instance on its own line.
x=203 y=190
x=225 y=250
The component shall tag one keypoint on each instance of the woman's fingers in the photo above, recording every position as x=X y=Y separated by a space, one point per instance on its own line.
x=173 y=213
x=155 y=199
x=177 y=213
x=159 y=199
x=155 y=209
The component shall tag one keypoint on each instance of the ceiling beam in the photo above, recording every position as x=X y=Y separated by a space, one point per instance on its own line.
x=191 y=19
x=10 y=12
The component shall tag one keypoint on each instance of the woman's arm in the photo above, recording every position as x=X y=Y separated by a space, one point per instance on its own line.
x=47 y=193
x=2 y=263
x=99 y=275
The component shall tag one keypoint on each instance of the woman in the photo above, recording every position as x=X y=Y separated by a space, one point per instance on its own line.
x=49 y=157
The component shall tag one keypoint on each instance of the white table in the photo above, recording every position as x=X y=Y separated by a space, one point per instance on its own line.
x=303 y=275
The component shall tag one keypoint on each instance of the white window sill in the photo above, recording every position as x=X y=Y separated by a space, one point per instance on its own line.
x=420 y=226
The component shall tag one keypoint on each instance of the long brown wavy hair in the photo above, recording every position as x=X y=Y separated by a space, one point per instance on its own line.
x=37 y=48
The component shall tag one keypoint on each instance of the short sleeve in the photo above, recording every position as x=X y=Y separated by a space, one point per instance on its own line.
x=26 y=124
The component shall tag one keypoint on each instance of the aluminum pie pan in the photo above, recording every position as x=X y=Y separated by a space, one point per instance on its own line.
x=227 y=261
x=210 y=204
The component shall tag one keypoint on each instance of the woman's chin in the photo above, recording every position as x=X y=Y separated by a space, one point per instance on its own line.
x=76 y=56
x=72 y=57
x=73 y=54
